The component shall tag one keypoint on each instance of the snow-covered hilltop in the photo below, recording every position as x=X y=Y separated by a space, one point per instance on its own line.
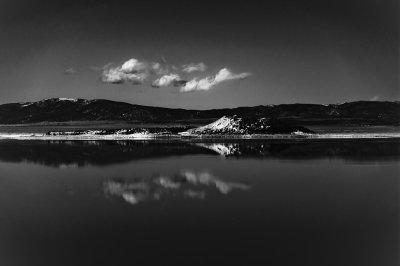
x=234 y=125
x=52 y=100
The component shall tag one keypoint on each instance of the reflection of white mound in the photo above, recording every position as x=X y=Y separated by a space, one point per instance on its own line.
x=221 y=148
x=187 y=184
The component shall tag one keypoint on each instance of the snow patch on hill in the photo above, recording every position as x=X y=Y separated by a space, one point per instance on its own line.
x=25 y=104
x=68 y=99
x=52 y=100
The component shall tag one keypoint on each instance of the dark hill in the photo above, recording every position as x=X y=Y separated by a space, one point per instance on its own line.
x=62 y=110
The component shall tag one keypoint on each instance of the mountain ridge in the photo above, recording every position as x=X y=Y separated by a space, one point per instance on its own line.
x=71 y=109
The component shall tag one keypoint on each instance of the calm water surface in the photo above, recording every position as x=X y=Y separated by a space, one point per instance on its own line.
x=212 y=203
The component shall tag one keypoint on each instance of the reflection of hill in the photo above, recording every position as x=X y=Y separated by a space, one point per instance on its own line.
x=186 y=184
x=357 y=150
x=79 y=153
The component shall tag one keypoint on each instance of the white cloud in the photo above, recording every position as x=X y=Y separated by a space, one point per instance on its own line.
x=70 y=71
x=112 y=75
x=208 y=82
x=117 y=76
x=134 y=66
x=167 y=80
x=226 y=74
x=194 y=67
x=138 y=71
x=138 y=78
x=159 y=69
x=156 y=66
x=133 y=70
x=189 y=86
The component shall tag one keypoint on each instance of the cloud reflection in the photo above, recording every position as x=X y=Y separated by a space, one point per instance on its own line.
x=187 y=184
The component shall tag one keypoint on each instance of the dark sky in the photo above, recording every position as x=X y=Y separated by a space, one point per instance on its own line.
x=277 y=52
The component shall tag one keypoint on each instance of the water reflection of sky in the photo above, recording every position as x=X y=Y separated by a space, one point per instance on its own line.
x=75 y=198
x=186 y=184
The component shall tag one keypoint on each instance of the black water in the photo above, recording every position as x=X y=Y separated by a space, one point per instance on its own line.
x=180 y=203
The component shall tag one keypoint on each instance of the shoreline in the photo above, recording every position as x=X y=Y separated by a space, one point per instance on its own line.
x=144 y=136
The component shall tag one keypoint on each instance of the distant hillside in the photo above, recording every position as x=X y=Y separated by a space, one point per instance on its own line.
x=64 y=109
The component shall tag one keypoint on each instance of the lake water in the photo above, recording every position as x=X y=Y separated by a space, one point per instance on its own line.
x=199 y=203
